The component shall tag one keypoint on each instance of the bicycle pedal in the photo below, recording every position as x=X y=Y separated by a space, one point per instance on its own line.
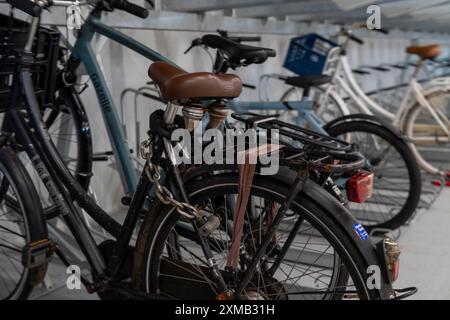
x=38 y=253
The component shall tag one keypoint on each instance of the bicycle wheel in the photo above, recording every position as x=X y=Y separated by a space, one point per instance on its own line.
x=397 y=184
x=431 y=145
x=321 y=261
x=326 y=108
x=20 y=224
x=68 y=126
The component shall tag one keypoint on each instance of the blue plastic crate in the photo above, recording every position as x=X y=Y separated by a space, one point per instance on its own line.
x=307 y=55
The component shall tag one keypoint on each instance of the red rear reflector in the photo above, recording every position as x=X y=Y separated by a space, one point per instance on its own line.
x=439 y=183
x=436 y=183
x=360 y=186
x=395 y=270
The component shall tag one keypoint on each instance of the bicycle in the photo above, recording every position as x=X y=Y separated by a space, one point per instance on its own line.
x=390 y=207
x=185 y=197
x=422 y=115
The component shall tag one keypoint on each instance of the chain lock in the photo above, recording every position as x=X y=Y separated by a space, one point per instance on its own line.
x=162 y=192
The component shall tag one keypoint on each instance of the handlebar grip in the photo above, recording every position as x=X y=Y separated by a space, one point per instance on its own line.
x=383 y=31
x=245 y=39
x=248 y=86
x=26 y=6
x=356 y=39
x=133 y=9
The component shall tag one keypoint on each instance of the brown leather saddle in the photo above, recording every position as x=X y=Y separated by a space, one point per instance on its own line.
x=177 y=84
x=425 y=52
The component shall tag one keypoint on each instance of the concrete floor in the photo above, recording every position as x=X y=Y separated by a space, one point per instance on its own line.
x=425 y=258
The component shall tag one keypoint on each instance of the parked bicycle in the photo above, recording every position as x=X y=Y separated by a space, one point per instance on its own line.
x=422 y=115
x=397 y=185
x=187 y=230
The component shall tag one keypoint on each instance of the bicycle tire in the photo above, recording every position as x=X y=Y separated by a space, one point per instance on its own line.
x=70 y=103
x=410 y=163
x=67 y=110
x=408 y=130
x=34 y=225
x=161 y=219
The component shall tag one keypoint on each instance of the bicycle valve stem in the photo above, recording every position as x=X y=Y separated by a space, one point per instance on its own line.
x=217 y=114
x=192 y=116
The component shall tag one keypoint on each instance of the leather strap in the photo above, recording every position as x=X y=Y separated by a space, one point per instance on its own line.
x=246 y=174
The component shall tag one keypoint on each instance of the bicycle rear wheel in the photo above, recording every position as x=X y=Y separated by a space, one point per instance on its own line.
x=321 y=261
x=21 y=223
x=397 y=185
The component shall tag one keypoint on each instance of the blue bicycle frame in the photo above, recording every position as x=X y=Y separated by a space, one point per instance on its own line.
x=84 y=53
x=305 y=115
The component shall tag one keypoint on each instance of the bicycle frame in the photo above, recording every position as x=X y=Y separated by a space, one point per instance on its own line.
x=304 y=108
x=305 y=115
x=83 y=52
x=64 y=189
x=344 y=79
x=61 y=185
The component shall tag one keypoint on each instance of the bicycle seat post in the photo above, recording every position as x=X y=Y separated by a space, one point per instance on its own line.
x=306 y=91
x=31 y=34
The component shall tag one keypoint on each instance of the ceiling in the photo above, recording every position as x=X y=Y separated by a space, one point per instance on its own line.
x=417 y=15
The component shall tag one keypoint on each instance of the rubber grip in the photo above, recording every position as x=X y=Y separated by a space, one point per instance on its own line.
x=134 y=9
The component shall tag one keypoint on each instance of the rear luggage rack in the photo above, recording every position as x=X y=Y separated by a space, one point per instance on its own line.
x=307 y=149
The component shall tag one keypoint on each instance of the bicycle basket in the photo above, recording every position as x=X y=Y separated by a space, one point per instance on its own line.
x=13 y=35
x=307 y=55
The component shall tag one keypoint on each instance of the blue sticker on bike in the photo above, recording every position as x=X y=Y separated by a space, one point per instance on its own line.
x=360 y=231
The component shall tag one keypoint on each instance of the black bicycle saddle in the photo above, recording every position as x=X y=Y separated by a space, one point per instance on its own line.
x=238 y=54
x=308 y=81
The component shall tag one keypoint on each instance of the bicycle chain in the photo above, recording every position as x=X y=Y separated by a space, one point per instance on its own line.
x=162 y=192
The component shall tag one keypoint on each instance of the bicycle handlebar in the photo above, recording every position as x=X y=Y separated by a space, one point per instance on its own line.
x=131 y=8
x=245 y=39
x=199 y=41
x=31 y=8
x=383 y=31
x=356 y=39
x=224 y=33
x=35 y=9
x=347 y=32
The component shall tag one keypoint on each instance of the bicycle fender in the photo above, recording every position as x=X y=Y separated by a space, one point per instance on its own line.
x=367 y=118
x=343 y=217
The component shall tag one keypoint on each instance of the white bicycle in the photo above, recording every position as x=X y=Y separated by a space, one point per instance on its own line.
x=424 y=112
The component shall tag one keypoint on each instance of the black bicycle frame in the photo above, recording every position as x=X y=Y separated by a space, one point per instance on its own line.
x=64 y=189
x=62 y=186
